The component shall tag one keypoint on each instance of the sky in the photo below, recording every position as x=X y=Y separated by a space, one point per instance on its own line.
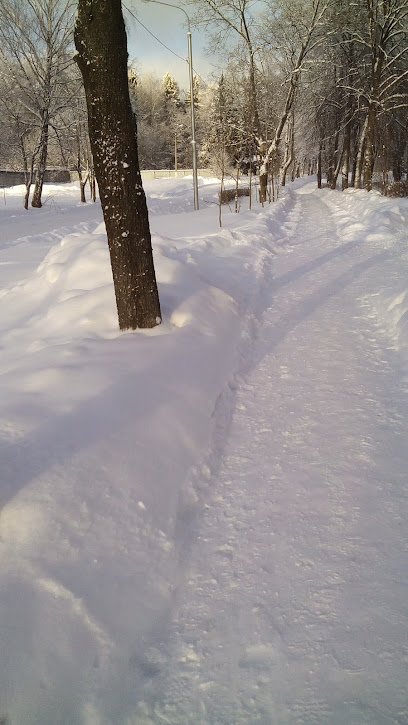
x=169 y=27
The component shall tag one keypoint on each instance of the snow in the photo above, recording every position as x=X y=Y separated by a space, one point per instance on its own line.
x=204 y=523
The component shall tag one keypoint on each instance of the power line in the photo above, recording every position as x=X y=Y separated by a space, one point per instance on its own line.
x=153 y=35
x=161 y=42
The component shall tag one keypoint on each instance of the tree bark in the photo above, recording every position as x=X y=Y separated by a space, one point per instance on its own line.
x=360 y=155
x=42 y=163
x=263 y=184
x=28 y=172
x=101 y=43
x=289 y=148
x=368 y=159
x=345 y=169
x=319 y=164
x=346 y=162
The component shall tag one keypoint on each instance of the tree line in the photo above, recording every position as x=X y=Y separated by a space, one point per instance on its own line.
x=319 y=80
x=324 y=81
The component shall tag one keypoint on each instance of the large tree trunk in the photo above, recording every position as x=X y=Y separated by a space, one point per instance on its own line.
x=101 y=43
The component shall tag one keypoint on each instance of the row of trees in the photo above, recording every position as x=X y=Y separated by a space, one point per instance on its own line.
x=320 y=79
x=313 y=78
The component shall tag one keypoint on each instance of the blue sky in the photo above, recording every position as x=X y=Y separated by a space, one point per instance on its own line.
x=169 y=26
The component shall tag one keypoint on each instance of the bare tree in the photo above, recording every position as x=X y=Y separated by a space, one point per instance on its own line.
x=289 y=29
x=364 y=94
x=386 y=40
x=306 y=25
x=35 y=36
x=101 y=43
x=19 y=142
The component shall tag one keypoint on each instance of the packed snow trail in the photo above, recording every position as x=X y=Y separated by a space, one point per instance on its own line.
x=294 y=607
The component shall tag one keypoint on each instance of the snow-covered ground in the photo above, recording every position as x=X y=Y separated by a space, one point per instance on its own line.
x=205 y=524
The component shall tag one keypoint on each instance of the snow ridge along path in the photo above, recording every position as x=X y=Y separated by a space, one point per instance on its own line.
x=294 y=606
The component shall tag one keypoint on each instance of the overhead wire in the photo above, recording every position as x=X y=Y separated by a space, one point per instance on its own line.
x=185 y=60
x=153 y=35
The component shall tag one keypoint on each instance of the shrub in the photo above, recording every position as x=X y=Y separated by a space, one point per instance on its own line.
x=227 y=195
x=396 y=188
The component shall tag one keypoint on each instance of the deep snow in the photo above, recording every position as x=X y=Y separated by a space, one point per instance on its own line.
x=206 y=523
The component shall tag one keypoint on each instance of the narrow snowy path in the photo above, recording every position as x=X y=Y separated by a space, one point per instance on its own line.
x=294 y=607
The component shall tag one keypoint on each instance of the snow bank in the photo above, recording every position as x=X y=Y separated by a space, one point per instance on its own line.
x=383 y=222
x=358 y=211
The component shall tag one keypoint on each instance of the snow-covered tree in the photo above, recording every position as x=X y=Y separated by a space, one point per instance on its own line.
x=171 y=89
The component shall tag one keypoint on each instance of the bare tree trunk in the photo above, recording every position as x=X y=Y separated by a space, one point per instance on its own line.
x=28 y=182
x=360 y=155
x=92 y=182
x=289 y=148
x=334 y=166
x=319 y=165
x=263 y=186
x=82 y=185
x=83 y=180
x=346 y=158
x=397 y=169
x=293 y=174
x=28 y=172
x=221 y=189
x=353 y=155
x=339 y=161
x=250 y=184
x=368 y=159
x=365 y=163
x=42 y=163
x=100 y=39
